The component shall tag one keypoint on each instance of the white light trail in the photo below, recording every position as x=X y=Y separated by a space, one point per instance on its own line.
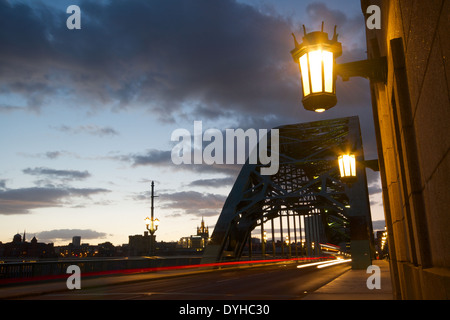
x=323 y=264
x=334 y=263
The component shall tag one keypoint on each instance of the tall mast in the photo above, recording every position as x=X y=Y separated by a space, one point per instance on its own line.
x=153 y=186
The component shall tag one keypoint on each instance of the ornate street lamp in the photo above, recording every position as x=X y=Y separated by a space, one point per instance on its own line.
x=151 y=224
x=347 y=167
x=316 y=56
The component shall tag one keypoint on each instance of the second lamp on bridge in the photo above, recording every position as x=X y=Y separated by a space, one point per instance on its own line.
x=347 y=167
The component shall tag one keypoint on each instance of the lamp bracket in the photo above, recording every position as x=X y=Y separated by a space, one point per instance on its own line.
x=372 y=164
x=373 y=69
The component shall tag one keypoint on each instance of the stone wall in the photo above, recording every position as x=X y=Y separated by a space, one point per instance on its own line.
x=412 y=115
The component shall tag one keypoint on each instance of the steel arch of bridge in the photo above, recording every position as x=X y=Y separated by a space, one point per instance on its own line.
x=307 y=184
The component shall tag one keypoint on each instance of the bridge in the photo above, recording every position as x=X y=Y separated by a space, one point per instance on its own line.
x=307 y=198
x=306 y=210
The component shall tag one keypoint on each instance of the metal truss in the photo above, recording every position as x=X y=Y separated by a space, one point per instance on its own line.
x=307 y=185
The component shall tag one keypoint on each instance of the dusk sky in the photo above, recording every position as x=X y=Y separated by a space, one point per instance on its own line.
x=86 y=115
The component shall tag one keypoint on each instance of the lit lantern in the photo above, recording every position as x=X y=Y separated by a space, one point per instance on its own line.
x=347 y=167
x=151 y=224
x=316 y=57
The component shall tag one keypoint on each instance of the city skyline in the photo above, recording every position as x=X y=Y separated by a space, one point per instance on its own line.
x=86 y=115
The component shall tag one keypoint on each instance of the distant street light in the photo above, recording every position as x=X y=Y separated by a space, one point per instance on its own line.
x=152 y=224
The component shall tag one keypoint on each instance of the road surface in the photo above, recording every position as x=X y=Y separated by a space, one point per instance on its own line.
x=275 y=282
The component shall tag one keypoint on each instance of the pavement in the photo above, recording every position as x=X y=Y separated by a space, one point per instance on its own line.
x=351 y=285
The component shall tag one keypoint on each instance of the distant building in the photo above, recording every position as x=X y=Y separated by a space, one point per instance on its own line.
x=381 y=244
x=198 y=241
x=19 y=248
x=76 y=241
x=203 y=231
x=139 y=245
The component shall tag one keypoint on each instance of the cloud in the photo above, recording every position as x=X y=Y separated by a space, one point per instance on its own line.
x=179 y=60
x=162 y=158
x=378 y=225
x=53 y=154
x=350 y=29
x=209 y=54
x=207 y=59
x=214 y=183
x=193 y=202
x=21 y=201
x=375 y=187
x=9 y=108
x=152 y=157
x=64 y=174
x=68 y=234
x=88 y=129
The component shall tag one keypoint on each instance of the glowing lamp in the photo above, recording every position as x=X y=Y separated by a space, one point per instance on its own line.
x=151 y=224
x=316 y=56
x=347 y=167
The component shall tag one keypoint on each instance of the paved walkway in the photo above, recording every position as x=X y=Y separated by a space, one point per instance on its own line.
x=352 y=286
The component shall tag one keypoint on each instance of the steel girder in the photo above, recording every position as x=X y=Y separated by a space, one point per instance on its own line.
x=307 y=183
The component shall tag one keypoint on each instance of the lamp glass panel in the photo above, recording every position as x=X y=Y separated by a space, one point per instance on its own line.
x=328 y=70
x=352 y=165
x=305 y=74
x=315 y=67
x=347 y=165
x=341 y=166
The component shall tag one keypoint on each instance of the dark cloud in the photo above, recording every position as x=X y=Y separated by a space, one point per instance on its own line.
x=180 y=59
x=68 y=234
x=165 y=55
x=54 y=173
x=192 y=202
x=351 y=29
x=375 y=187
x=378 y=225
x=162 y=158
x=152 y=157
x=214 y=183
x=21 y=201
